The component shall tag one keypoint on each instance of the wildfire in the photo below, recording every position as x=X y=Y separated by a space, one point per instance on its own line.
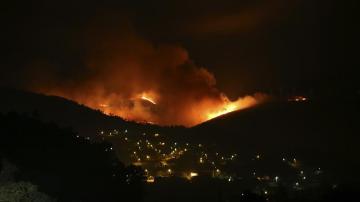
x=198 y=111
x=227 y=109
x=149 y=96
x=157 y=84
x=227 y=106
x=144 y=97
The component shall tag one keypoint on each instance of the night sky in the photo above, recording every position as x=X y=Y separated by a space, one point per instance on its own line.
x=248 y=45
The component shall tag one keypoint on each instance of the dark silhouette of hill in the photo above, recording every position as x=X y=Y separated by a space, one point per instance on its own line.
x=64 y=165
x=323 y=131
x=67 y=113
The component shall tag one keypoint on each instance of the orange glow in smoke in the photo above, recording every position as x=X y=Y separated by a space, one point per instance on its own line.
x=157 y=84
x=194 y=113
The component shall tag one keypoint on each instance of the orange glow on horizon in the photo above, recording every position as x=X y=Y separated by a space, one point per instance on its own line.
x=162 y=111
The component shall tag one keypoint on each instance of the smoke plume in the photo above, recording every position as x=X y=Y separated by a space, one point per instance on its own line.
x=124 y=74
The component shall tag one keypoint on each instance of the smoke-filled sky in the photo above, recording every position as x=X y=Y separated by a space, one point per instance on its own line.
x=181 y=54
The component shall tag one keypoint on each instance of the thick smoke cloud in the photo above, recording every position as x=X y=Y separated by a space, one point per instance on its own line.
x=118 y=70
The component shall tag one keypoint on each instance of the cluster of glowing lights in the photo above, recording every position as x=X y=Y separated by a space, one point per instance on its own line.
x=156 y=153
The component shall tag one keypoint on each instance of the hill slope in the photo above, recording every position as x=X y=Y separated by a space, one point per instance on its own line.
x=324 y=131
x=66 y=113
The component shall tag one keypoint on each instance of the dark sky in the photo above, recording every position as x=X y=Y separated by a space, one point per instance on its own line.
x=249 y=45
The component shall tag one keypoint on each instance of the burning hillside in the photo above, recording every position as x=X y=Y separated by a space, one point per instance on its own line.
x=125 y=75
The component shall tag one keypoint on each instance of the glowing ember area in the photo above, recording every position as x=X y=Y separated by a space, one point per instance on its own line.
x=103 y=105
x=151 y=108
x=227 y=109
x=298 y=98
x=227 y=106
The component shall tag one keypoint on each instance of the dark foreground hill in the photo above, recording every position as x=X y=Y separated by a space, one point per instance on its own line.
x=63 y=165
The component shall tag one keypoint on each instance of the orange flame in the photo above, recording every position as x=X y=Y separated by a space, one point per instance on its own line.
x=148 y=97
x=194 y=113
x=210 y=110
x=226 y=109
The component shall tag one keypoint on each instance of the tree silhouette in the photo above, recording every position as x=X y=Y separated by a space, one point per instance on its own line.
x=64 y=165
